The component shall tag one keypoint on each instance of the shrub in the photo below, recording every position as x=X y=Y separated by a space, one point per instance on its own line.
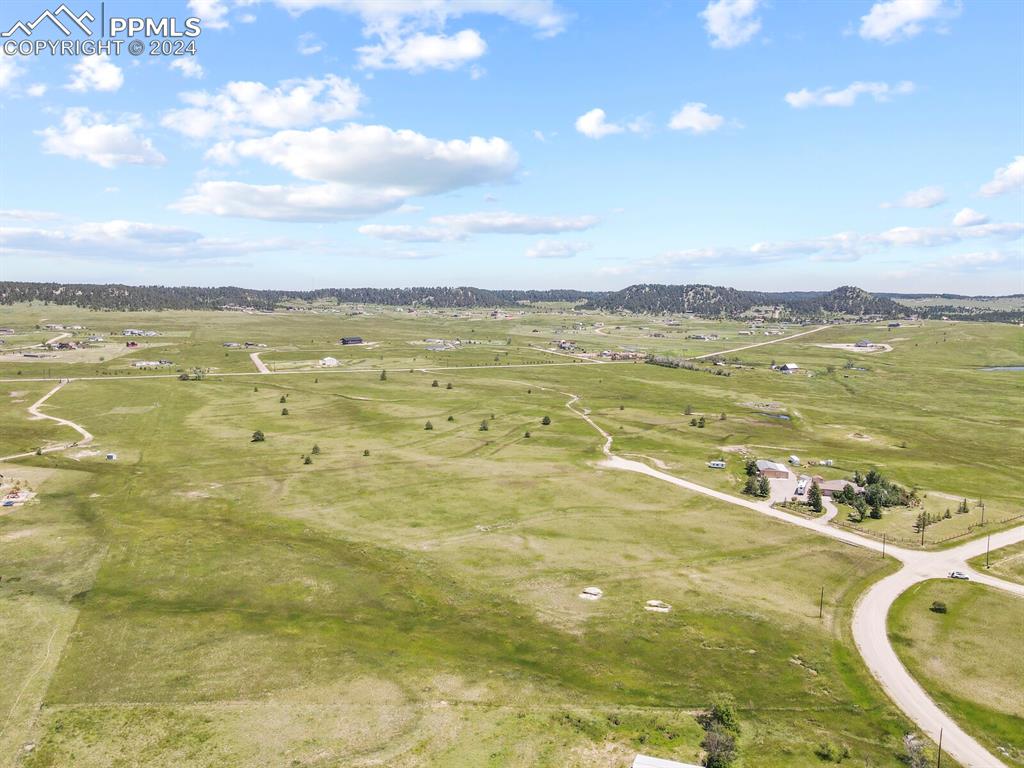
x=546 y=420
x=527 y=434
x=284 y=399
x=366 y=452
x=284 y=411
x=448 y=385
x=451 y=418
x=483 y=426
x=428 y=426
x=435 y=384
x=316 y=450
x=307 y=459
x=938 y=607
x=257 y=437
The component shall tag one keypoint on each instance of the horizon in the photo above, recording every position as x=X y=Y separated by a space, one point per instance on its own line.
x=526 y=143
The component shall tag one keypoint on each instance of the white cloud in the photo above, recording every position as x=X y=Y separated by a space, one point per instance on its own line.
x=95 y=73
x=829 y=97
x=410 y=234
x=1006 y=179
x=539 y=136
x=420 y=52
x=396 y=16
x=86 y=135
x=844 y=246
x=557 y=249
x=731 y=23
x=244 y=107
x=594 y=125
x=10 y=70
x=455 y=227
x=282 y=202
x=968 y=217
x=130 y=240
x=891 y=20
x=504 y=222
x=925 y=197
x=695 y=118
x=21 y=214
x=977 y=261
x=213 y=13
x=310 y=44
x=188 y=67
x=36 y=90
x=410 y=35
x=363 y=169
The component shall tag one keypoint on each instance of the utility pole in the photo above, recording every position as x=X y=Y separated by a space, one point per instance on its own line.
x=988 y=543
x=883 y=546
x=982 y=512
x=821 y=603
x=938 y=761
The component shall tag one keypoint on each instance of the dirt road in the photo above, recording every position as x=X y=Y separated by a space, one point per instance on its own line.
x=260 y=365
x=760 y=343
x=37 y=414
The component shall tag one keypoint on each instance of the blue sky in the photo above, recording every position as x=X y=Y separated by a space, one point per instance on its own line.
x=525 y=143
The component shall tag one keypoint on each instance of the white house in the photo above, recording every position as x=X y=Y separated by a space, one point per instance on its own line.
x=789 y=367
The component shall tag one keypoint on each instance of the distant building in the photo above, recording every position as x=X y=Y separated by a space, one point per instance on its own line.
x=716 y=464
x=794 y=460
x=789 y=367
x=772 y=469
x=894 y=325
x=863 y=343
x=346 y=340
x=329 y=362
x=137 y=332
x=111 y=457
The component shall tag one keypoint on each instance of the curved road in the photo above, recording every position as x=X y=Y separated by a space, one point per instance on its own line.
x=872 y=609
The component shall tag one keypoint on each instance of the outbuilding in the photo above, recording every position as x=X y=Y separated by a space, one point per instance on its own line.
x=789 y=367
x=346 y=340
x=329 y=362
x=772 y=469
x=111 y=457
x=716 y=464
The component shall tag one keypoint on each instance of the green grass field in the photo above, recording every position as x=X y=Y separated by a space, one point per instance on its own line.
x=969 y=658
x=411 y=594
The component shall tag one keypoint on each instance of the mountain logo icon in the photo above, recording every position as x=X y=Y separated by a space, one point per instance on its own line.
x=61 y=17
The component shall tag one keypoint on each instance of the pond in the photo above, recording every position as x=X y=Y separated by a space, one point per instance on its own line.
x=782 y=416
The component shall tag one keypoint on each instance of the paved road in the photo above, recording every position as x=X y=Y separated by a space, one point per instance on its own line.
x=760 y=343
x=871 y=611
x=37 y=414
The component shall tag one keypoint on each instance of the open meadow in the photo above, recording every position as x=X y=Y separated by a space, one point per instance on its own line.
x=392 y=575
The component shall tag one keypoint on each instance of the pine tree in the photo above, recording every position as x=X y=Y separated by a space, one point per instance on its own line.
x=751 y=486
x=814 y=497
x=428 y=426
x=383 y=375
x=764 y=488
x=316 y=450
x=546 y=420
x=435 y=384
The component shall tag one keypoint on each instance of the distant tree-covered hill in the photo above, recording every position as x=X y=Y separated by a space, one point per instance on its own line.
x=702 y=300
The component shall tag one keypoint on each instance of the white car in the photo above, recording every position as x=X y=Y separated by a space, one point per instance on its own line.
x=959 y=575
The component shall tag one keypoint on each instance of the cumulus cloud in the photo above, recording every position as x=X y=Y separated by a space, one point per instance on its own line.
x=86 y=135
x=455 y=227
x=844 y=246
x=309 y=44
x=362 y=169
x=556 y=249
x=410 y=234
x=504 y=222
x=411 y=35
x=1006 y=179
x=977 y=261
x=188 y=67
x=847 y=97
x=925 y=197
x=246 y=107
x=731 y=23
x=595 y=125
x=36 y=90
x=695 y=118
x=213 y=13
x=129 y=240
x=968 y=217
x=95 y=73
x=889 y=21
x=420 y=52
